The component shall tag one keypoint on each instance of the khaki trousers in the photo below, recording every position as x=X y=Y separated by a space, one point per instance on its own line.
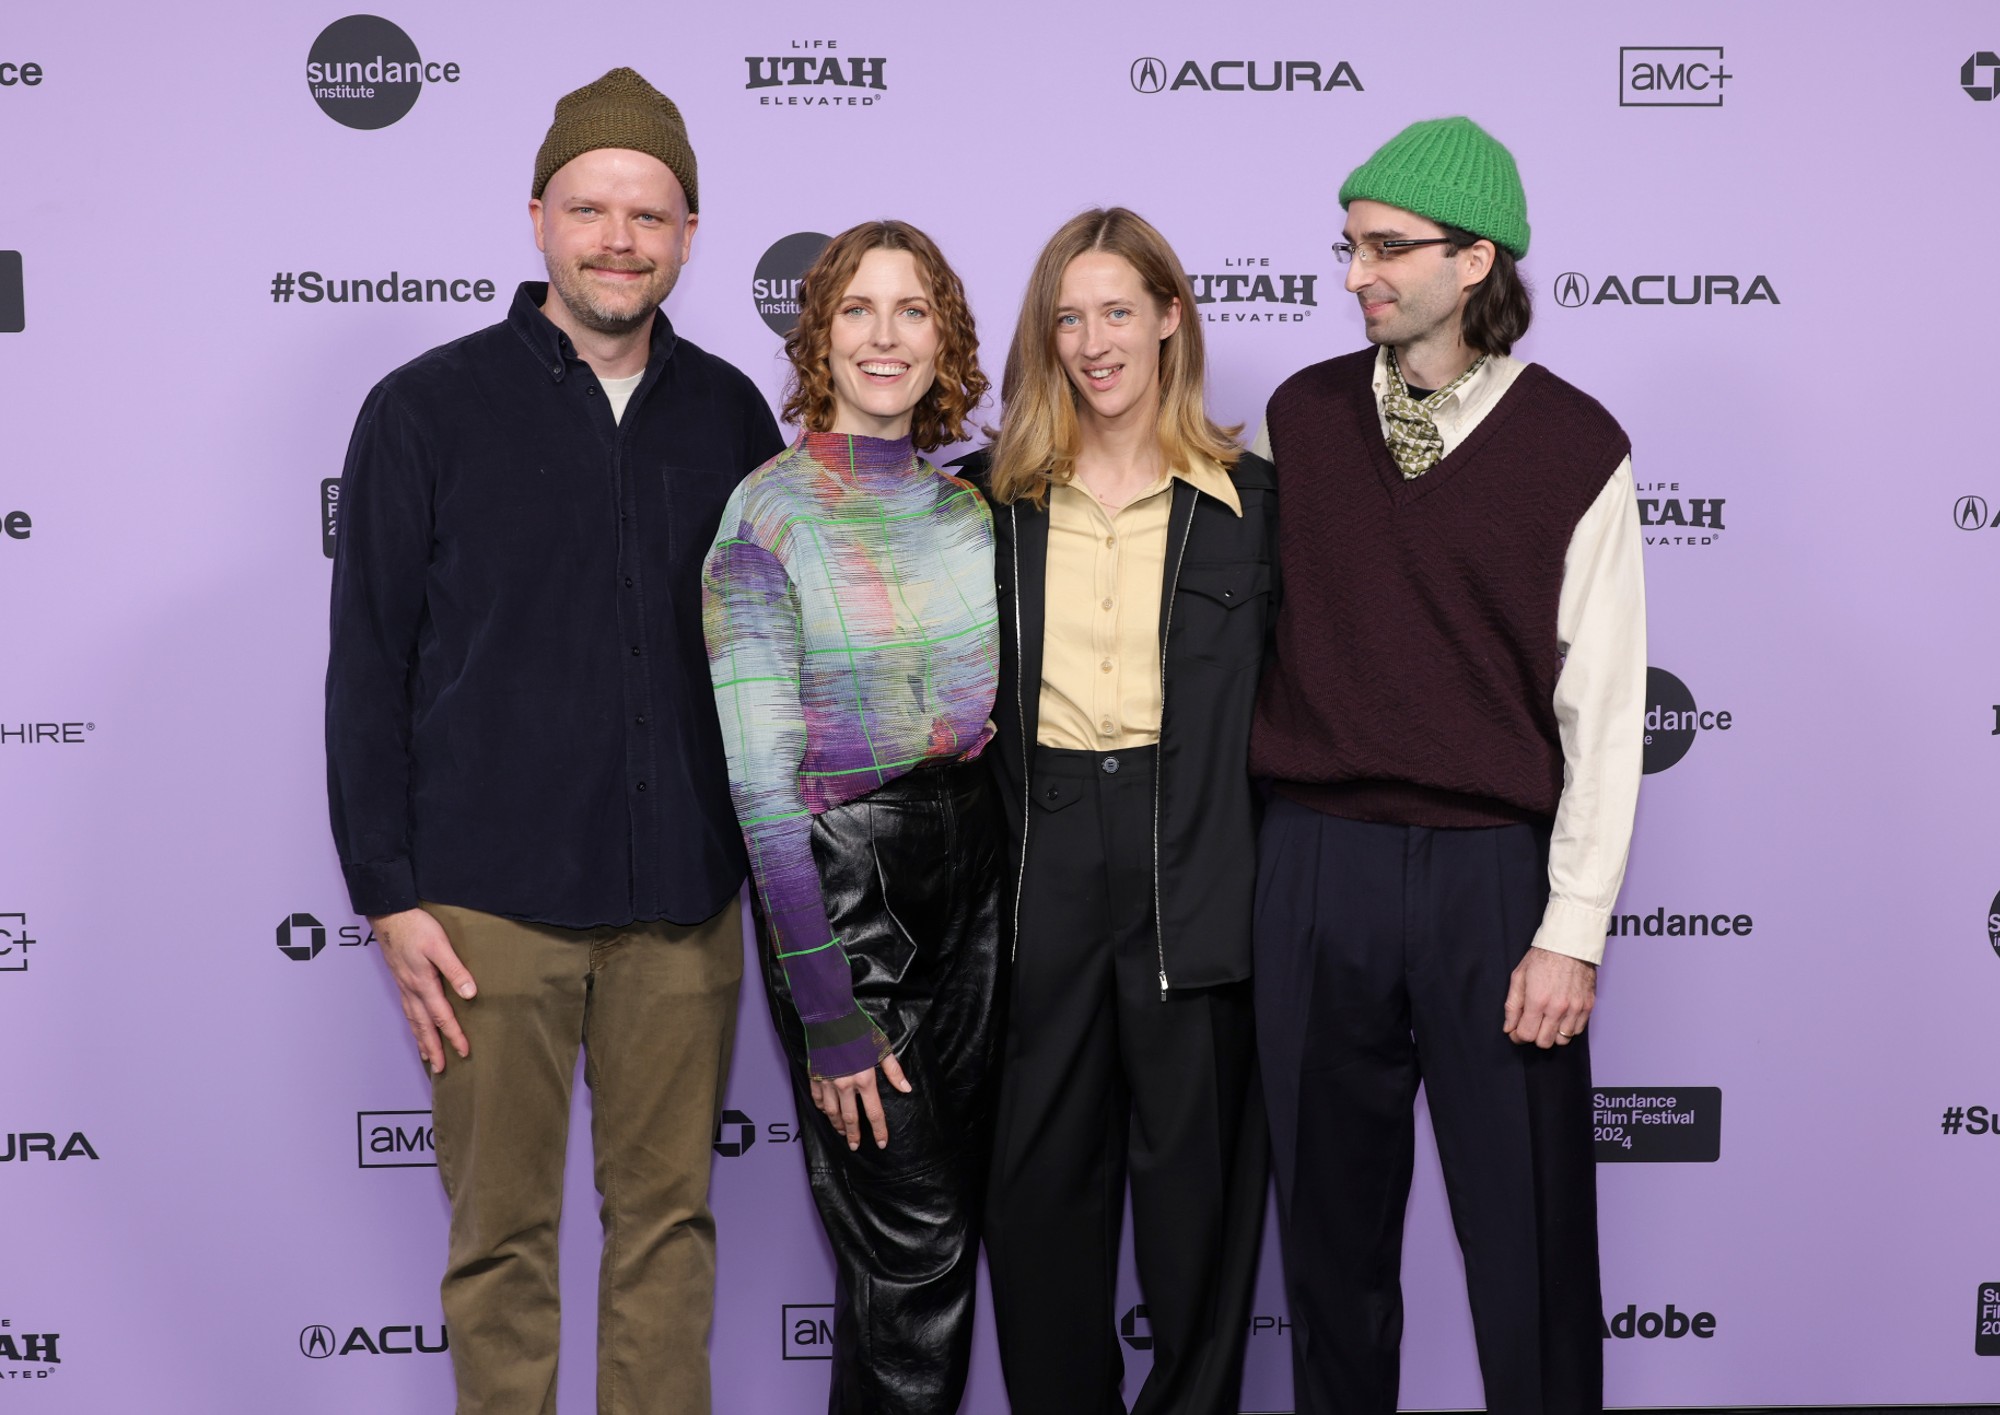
x=654 y=1008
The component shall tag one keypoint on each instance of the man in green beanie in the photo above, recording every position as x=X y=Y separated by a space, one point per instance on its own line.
x=1452 y=726
x=527 y=782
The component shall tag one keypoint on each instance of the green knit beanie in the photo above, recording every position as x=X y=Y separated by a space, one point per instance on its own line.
x=1452 y=171
x=619 y=110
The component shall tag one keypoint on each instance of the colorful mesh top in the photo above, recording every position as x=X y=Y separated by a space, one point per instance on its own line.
x=848 y=606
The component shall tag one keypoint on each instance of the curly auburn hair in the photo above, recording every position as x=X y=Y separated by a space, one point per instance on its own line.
x=958 y=387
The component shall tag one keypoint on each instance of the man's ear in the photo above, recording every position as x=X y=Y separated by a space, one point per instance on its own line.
x=1478 y=266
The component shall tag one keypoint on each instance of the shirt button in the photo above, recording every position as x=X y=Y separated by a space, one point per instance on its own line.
x=1104 y=667
x=592 y=392
x=1107 y=604
x=642 y=786
x=1105 y=727
x=1111 y=540
x=640 y=720
x=635 y=650
x=628 y=582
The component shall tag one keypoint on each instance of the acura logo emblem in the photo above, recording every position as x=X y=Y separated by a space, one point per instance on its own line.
x=1572 y=289
x=1971 y=513
x=316 y=1342
x=1149 y=75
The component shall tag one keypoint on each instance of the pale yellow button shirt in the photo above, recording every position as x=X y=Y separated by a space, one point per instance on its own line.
x=1101 y=626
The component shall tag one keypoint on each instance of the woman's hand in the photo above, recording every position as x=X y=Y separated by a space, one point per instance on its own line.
x=835 y=1099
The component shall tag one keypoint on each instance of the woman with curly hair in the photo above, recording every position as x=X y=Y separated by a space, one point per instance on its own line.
x=849 y=609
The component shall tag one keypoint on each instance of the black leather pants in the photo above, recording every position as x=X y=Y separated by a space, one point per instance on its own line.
x=911 y=875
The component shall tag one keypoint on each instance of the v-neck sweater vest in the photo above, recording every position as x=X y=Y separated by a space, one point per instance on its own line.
x=1417 y=657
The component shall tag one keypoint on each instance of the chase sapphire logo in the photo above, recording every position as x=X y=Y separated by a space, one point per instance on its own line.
x=1985 y=64
x=301 y=937
x=735 y=1133
x=1136 y=1328
x=1149 y=75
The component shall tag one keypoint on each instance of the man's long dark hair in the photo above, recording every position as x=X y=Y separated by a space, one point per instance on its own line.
x=1497 y=309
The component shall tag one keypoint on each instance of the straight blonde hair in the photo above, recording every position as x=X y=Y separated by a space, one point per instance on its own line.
x=1039 y=432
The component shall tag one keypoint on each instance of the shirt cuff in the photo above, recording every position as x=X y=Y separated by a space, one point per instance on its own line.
x=381 y=887
x=843 y=1046
x=1573 y=931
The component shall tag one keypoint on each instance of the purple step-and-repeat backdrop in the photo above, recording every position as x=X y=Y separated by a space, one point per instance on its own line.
x=1761 y=238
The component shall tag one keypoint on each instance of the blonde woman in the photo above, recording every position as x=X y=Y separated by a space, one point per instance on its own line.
x=1133 y=540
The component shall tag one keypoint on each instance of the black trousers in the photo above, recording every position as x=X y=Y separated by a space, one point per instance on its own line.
x=911 y=876
x=1383 y=955
x=1101 y=1075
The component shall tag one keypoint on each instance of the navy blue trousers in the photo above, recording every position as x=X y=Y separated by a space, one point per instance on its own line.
x=1383 y=957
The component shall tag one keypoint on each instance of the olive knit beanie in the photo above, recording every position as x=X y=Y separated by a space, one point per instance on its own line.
x=619 y=110
x=1452 y=171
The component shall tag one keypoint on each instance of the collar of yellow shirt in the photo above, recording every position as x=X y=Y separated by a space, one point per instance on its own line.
x=1204 y=474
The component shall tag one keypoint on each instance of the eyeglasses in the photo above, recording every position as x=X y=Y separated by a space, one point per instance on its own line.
x=1368 y=252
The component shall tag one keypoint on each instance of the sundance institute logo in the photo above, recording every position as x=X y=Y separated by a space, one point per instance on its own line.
x=780 y=273
x=364 y=72
x=1673 y=720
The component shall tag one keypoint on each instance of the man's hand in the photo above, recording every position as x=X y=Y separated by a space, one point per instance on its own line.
x=418 y=953
x=1549 y=999
x=835 y=1099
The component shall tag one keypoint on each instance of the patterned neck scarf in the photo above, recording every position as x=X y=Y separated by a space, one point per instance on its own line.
x=1414 y=440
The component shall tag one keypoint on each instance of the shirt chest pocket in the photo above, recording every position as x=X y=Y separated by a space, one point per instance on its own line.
x=1219 y=612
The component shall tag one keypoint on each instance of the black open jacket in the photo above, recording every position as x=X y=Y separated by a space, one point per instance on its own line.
x=1218 y=596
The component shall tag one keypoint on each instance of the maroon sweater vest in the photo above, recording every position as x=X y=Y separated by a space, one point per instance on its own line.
x=1416 y=669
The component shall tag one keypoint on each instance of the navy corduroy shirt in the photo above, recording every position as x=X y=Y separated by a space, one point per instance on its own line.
x=518 y=710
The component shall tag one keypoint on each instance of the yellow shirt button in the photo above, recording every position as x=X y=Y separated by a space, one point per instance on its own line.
x=1105 y=727
x=1105 y=666
x=1107 y=604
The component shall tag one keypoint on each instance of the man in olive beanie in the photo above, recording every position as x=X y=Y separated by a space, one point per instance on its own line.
x=1452 y=729
x=526 y=778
